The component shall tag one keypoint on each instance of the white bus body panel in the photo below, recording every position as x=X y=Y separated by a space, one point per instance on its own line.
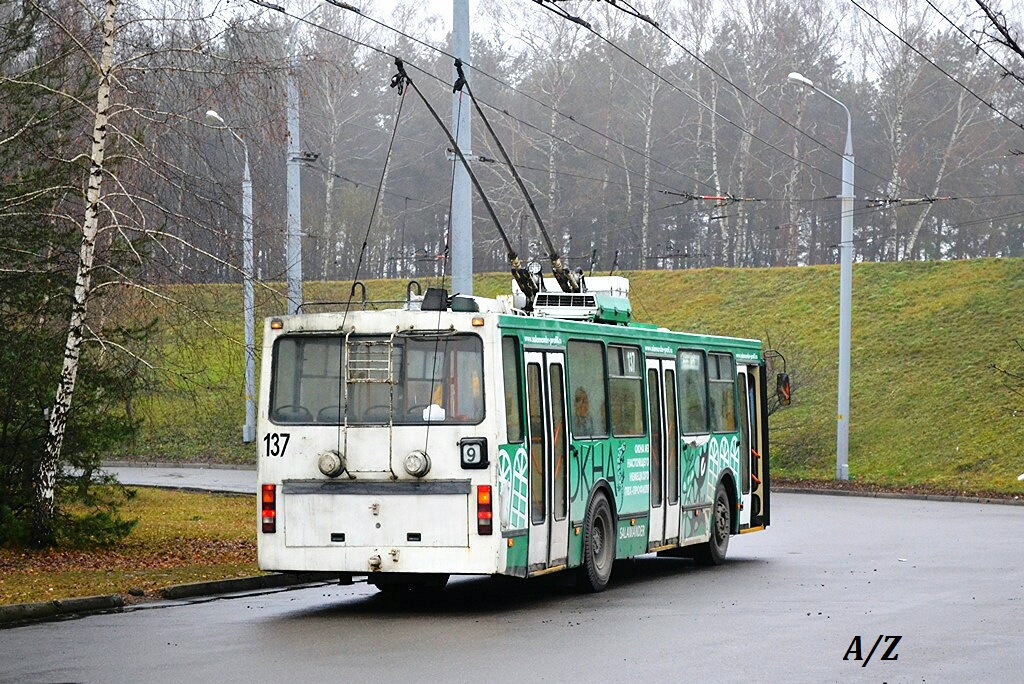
x=376 y=526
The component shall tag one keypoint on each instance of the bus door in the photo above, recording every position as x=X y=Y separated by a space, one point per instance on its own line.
x=751 y=468
x=664 y=452
x=549 y=503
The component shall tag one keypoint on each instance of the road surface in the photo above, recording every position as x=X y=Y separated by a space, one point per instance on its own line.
x=941 y=583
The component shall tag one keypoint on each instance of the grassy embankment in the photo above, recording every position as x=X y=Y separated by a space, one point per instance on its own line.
x=928 y=410
x=180 y=537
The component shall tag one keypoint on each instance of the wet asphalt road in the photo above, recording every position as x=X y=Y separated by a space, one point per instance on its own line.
x=947 y=578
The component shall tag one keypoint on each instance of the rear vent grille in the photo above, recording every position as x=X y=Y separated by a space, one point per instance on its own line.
x=565 y=299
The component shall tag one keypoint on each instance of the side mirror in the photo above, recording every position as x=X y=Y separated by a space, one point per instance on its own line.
x=782 y=389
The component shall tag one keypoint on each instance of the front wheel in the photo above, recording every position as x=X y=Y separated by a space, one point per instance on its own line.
x=598 y=545
x=713 y=551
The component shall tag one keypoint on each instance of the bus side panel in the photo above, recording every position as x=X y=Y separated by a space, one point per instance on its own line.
x=513 y=506
x=632 y=536
x=700 y=476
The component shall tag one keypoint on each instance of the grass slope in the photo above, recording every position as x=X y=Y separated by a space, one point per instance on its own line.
x=180 y=537
x=927 y=407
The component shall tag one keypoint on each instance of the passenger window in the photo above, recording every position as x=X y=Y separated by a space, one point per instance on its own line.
x=693 y=388
x=586 y=388
x=722 y=392
x=625 y=385
x=513 y=389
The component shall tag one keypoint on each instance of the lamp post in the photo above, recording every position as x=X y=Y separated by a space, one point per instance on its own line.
x=845 y=288
x=248 y=306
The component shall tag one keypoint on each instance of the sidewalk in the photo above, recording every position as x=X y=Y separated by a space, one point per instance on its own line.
x=234 y=480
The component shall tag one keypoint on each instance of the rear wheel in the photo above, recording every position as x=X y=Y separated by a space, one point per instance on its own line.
x=713 y=552
x=598 y=544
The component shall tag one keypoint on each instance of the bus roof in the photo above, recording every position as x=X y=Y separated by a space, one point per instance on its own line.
x=552 y=331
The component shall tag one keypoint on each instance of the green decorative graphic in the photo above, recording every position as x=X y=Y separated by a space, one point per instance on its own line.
x=513 y=487
x=700 y=477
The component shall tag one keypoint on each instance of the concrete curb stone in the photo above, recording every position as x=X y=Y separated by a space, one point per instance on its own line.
x=18 y=614
x=899 y=495
x=201 y=465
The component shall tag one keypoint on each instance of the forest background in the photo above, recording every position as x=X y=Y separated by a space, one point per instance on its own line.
x=115 y=189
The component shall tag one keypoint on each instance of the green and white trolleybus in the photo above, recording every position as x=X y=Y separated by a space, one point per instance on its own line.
x=457 y=435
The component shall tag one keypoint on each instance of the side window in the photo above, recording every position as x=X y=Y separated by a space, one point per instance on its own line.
x=625 y=385
x=586 y=389
x=513 y=389
x=744 y=435
x=538 y=457
x=559 y=502
x=671 y=437
x=722 y=392
x=693 y=392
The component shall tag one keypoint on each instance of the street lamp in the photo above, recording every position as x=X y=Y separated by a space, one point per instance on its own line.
x=248 y=306
x=845 y=288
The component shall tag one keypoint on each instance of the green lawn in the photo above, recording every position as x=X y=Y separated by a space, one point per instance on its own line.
x=180 y=537
x=928 y=408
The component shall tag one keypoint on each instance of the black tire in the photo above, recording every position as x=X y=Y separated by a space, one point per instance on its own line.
x=713 y=551
x=598 y=545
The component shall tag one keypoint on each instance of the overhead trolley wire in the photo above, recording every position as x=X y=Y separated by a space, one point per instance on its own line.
x=505 y=112
x=945 y=73
x=619 y=4
x=568 y=117
x=700 y=103
x=977 y=46
x=667 y=188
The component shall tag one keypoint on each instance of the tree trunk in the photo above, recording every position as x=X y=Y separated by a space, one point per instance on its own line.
x=49 y=466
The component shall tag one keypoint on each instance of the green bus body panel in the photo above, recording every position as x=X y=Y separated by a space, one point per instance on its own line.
x=632 y=537
x=622 y=464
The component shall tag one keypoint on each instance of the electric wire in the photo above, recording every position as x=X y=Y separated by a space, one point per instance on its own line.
x=531 y=126
x=977 y=46
x=505 y=112
x=945 y=73
x=522 y=93
x=657 y=26
x=698 y=102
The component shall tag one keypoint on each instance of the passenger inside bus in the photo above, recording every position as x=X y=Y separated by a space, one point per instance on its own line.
x=582 y=423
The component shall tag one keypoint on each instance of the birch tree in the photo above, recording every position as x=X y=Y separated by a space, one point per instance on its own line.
x=50 y=463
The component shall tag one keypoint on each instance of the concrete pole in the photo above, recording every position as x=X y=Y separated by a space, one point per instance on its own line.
x=293 y=242
x=462 y=194
x=248 y=304
x=845 y=287
x=845 y=307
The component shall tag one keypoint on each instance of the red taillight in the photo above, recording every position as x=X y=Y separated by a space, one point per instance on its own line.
x=269 y=508
x=484 y=517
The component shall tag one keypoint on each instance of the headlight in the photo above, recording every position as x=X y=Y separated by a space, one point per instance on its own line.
x=417 y=463
x=331 y=463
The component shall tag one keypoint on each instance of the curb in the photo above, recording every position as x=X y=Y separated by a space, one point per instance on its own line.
x=199 y=465
x=899 y=495
x=18 y=614
x=228 y=586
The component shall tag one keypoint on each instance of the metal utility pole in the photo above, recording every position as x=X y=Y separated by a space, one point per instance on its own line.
x=293 y=241
x=462 y=193
x=845 y=289
x=248 y=303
